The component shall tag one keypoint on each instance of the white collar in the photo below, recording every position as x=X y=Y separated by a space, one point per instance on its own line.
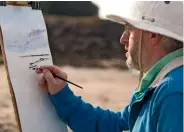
x=169 y=67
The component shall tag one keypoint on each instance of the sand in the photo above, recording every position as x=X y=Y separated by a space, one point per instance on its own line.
x=109 y=88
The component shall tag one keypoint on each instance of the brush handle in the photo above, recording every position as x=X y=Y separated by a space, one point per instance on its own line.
x=68 y=81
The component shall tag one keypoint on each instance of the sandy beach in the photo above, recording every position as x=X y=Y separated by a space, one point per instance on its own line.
x=108 y=88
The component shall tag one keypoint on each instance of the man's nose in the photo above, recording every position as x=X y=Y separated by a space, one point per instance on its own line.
x=125 y=38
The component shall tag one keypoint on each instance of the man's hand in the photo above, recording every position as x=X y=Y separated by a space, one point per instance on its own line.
x=48 y=82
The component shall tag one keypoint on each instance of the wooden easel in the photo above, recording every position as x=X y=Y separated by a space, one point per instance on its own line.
x=35 y=5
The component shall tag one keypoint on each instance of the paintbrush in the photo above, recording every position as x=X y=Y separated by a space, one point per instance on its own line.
x=67 y=81
x=64 y=80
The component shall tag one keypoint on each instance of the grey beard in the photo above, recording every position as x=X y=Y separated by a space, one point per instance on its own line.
x=132 y=64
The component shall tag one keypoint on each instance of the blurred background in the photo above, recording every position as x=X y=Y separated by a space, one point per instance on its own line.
x=87 y=48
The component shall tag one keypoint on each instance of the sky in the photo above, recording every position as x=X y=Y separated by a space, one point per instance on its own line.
x=106 y=6
x=103 y=7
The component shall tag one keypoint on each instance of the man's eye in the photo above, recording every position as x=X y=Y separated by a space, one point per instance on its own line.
x=127 y=29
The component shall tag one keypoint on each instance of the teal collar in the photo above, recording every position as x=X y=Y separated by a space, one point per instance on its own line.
x=150 y=76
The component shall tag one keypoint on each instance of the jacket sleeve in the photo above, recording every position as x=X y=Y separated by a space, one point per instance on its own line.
x=81 y=116
x=170 y=114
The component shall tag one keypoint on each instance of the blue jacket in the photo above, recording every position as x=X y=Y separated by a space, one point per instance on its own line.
x=159 y=109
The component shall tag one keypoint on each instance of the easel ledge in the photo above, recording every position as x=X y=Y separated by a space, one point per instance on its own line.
x=17 y=3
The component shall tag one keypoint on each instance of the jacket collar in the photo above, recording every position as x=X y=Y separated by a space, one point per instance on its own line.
x=159 y=70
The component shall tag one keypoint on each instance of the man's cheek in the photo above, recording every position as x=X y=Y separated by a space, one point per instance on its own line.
x=132 y=36
x=135 y=35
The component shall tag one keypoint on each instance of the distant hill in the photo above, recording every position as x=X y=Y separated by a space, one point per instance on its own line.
x=69 y=8
x=85 y=42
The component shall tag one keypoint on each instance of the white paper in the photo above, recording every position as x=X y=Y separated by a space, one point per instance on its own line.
x=24 y=33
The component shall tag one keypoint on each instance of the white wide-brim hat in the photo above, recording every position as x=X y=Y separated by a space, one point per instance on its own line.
x=161 y=17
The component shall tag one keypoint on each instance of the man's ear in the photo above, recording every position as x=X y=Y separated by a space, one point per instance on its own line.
x=155 y=38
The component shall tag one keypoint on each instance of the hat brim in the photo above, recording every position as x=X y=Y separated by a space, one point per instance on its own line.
x=118 y=19
x=144 y=26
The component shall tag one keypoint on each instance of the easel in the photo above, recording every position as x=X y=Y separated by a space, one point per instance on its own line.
x=34 y=5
